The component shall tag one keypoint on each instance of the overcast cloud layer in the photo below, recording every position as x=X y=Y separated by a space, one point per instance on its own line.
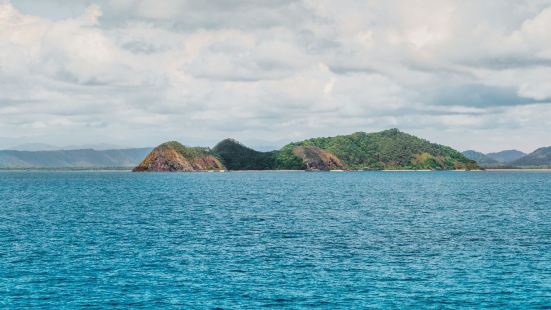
x=470 y=74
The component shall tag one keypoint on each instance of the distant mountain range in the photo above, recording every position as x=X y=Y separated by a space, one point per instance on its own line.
x=48 y=147
x=389 y=149
x=481 y=158
x=506 y=156
x=540 y=158
x=85 y=158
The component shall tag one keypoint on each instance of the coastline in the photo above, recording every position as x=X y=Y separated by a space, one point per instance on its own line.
x=405 y=170
x=519 y=170
x=129 y=169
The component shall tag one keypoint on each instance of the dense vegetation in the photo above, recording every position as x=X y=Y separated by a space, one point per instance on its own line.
x=285 y=159
x=187 y=151
x=389 y=149
x=236 y=156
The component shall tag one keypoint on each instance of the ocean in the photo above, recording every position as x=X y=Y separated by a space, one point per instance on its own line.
x=275 y=239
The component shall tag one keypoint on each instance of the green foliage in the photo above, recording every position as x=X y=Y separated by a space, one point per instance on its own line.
x=186 y=151
x=389 y=149
x=285 y=159
x=236 y=156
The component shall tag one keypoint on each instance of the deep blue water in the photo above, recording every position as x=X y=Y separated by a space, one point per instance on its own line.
x=251 y=240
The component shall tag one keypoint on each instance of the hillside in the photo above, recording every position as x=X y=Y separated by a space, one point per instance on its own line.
x=315 y=158
x=236 y=156
x=481 y=158
x=506 y=156
x=86 y=158
x=539 y=158
x=173 y=156
x=389 y=149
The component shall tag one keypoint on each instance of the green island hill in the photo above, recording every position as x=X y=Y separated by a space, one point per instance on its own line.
x=390 y=150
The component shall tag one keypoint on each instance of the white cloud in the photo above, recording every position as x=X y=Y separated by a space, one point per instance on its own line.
x=138 y=72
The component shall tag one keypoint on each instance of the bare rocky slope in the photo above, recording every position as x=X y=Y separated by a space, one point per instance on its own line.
x=315 y=158
x=173 y=156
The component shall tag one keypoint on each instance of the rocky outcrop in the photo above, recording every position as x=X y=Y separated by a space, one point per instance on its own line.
x=173 y=156
x=316 y=159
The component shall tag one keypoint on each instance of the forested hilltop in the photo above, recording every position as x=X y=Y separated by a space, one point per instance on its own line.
x=389 y=149
x=236 y=156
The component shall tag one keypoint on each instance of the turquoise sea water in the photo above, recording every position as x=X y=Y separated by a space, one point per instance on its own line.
x=275 y=239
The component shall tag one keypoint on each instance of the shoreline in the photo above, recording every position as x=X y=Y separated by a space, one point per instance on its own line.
x=129 y=169
x=518 y=169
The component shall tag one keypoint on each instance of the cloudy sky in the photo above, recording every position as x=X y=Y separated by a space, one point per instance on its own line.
x=470 y=74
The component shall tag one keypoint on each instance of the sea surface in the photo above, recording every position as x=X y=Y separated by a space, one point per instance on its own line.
x=275 y=239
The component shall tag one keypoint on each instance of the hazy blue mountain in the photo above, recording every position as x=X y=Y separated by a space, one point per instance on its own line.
x=506 y=156
x=35 y=147
x=539 y=158
x=48 y=147
x=481 y=158
x=86 y=158
x=97 y=147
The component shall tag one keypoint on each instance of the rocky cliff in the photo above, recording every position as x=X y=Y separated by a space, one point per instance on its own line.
x=173 y=156
x=315 y=158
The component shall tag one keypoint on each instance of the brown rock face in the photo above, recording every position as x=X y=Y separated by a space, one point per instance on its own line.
x=317 y=159
x=172 y=156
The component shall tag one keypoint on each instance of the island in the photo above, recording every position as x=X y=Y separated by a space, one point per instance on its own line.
x=386 y=150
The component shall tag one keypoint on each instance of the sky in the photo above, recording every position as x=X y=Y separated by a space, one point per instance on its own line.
x=469 y=74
